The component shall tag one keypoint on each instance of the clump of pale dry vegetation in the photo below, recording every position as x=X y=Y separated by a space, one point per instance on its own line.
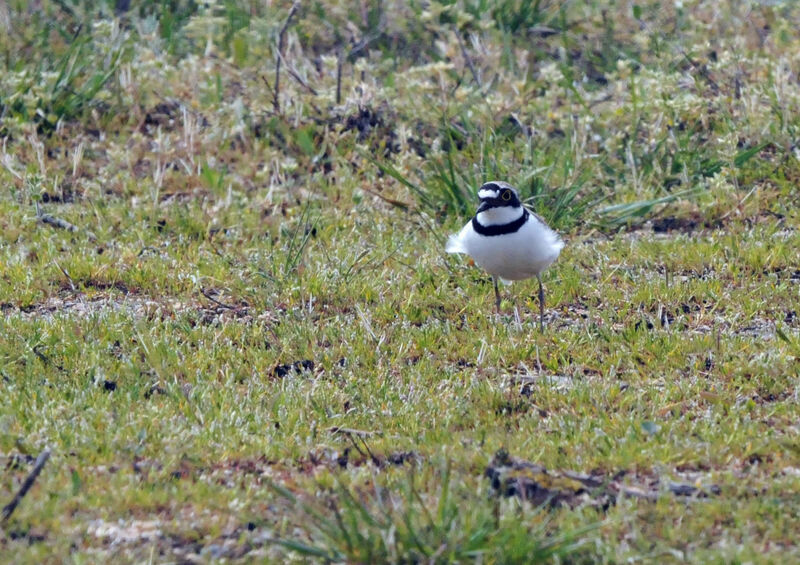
x=228 y=315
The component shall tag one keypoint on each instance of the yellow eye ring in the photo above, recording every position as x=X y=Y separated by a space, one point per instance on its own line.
x=506 y=195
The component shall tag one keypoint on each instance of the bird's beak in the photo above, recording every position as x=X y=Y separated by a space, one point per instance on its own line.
x=484 y=206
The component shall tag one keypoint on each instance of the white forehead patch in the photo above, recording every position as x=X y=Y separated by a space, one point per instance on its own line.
x=487 y=193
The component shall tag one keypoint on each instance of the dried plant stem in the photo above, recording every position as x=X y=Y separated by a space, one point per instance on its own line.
x=61 y=223
x=296 y=76
x=9 y=508
x=276 y=104
x=205 y=293
x=468 y=60
x=339 y=64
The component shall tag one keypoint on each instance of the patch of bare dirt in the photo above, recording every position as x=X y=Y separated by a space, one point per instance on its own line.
x=120 y=299
x=694 y=316
x=510 y=476
x=688 y=224
x=695 y=222
x=79 y=305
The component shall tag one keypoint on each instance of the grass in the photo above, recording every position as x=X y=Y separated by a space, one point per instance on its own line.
x=263 y=352
x=399 y=525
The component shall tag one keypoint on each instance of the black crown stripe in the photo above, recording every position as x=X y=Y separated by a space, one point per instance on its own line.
x=500 y=229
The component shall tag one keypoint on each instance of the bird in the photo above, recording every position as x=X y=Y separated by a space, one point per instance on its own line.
x=507 y=240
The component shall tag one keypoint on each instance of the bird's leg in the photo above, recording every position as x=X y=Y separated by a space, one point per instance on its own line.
x=496 y=294
x=541 y=304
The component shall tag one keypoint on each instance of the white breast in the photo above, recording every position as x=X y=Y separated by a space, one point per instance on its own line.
x=519 y=255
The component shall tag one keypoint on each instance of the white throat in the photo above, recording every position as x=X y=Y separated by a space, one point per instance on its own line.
x=499 y=216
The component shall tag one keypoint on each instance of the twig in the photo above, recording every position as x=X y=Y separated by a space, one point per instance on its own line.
x=542 y=31
x=57 y=222
x=276 y=104
x=205 y=293
x=298 y=78
x=362 y=435
x=9 y=508
x=61 y=223
x=41 y=356
x=702 y=69
x=364 y=42
x=538 y=360
x=600 y=100
x=468 y=60
x=66 y=274
x=339 y=65
x=738 y=204
x=396 y=203
x=269 y=86
x=351 y=431
x=375 y=460
x=44 y=358
x=357 y=48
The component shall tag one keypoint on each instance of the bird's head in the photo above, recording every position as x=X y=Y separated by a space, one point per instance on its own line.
x=497 y=194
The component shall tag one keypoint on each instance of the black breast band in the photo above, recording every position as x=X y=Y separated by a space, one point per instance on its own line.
x=500 y=229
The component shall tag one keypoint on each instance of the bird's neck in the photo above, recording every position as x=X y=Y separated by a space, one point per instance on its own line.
x=500 y=215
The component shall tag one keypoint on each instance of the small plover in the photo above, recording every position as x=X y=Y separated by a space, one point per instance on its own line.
x=507 y=240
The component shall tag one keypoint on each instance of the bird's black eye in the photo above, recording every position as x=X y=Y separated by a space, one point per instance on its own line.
x=506 y=195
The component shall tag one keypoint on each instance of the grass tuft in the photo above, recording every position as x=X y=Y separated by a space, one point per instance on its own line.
x=406 y=525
